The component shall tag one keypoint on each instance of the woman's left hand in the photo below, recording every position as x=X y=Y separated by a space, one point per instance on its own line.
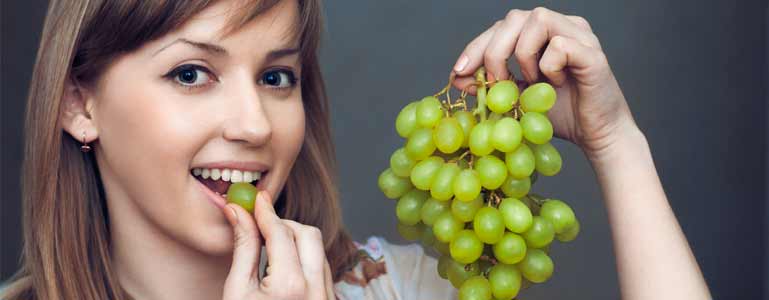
x=591 y=110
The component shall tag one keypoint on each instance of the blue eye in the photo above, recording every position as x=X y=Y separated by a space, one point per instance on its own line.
x=191 y=76
x=278 y=79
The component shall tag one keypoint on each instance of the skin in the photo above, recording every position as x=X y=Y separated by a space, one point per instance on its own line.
x=654 y=260
x=149 y=130
x=166 y=234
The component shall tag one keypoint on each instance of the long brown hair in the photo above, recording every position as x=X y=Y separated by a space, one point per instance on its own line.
x=66 y=251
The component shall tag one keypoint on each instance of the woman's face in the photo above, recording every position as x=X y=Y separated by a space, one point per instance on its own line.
x=228 y=106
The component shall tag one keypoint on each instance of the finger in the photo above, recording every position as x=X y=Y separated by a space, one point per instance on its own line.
x=472 y=57
x=309 y=245
x=563 y=52
x=329 y=280
x=282 y=257
x=465 y=83
x=541 y=25
x=502 y=44
x=246 y=246
x=581 y=22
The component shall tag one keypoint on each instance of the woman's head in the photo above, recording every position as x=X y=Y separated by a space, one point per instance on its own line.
x=159 y=89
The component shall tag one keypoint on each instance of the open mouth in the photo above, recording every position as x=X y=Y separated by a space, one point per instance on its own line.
x=219 y=180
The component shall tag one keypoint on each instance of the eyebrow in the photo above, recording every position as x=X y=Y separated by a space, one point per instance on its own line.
x=214 y=49
x=219 y=50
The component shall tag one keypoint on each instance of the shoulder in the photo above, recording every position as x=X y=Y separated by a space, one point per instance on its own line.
x=391 y=271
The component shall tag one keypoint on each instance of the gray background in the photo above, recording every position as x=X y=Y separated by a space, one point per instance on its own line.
x=694 y=74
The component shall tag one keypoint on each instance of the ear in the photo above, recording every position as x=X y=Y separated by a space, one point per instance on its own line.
x=76 y=116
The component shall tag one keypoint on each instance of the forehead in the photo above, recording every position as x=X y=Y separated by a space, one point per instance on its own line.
x=273 y=28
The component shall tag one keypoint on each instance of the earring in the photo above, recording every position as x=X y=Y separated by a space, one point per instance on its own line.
x=85 y=148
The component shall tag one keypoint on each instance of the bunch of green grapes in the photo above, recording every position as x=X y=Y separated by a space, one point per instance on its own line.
x=462 y=181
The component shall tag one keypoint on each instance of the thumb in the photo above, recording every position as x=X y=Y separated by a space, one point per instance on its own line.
x=246 y=246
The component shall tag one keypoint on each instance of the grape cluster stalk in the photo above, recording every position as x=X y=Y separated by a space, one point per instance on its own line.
x=462 y=182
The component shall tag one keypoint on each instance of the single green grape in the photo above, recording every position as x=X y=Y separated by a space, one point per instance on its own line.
x=242 y=194
x=488 y=225
x=559 y=214
x=429 y=112
x=446 y=227
x=441 y=247
x=516 y=188
x=427 y=237
x=480 y=138
x=548 y=160
x=502 y=96
x=536 y=267
x=569 y=234
x=467 y=122
x=458 y=272
x=393 y=186
x=540 y=234
x=442 y=187
x=406 y=121
x=443 y=266
x=467 y=185
x=409 y=207
x=420 y=144
x=424 y=172
x=538 y=97
x=465 y=211
x=520 y=162
x=536 y=128
x=510 y=249
x=410 y=232
x=432 y=209
x=505 y=281
x=492 y=171
x=400 y=163
x=507 y=134
x=475 y=288
x=466 y=247
x=448 y=135
x=516 y=215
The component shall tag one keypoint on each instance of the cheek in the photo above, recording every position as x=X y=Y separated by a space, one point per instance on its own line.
x=288 y=133
x=139 y=135
x=289 y=130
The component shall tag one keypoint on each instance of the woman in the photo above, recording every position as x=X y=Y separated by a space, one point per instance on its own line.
x=140 y=113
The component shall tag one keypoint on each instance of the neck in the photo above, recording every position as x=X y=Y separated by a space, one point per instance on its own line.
x=151 y=265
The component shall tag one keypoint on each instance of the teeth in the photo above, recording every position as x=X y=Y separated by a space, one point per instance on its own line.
x=227 y=174
x=237 y=176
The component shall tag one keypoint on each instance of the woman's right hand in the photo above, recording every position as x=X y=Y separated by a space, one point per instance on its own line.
x=297 y=265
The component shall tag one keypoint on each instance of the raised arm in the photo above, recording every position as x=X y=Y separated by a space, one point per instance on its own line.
x=654 y=260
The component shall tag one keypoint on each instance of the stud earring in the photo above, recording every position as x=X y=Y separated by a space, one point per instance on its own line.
x=85 y=147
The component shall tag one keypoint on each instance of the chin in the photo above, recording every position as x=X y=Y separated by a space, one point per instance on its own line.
x=214 y=241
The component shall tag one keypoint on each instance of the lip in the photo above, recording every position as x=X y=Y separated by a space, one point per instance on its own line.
x=250 y=166
x=215 y=199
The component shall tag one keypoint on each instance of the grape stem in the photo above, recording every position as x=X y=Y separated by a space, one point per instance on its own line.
x=463 y=155
x=480 y=77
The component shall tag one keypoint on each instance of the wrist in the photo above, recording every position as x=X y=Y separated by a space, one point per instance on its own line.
x=624 y=144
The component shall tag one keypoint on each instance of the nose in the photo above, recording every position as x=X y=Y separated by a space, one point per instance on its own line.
x=249 y=122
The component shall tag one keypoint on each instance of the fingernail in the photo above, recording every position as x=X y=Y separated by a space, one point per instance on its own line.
x=234 y=214
x=461 y=63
